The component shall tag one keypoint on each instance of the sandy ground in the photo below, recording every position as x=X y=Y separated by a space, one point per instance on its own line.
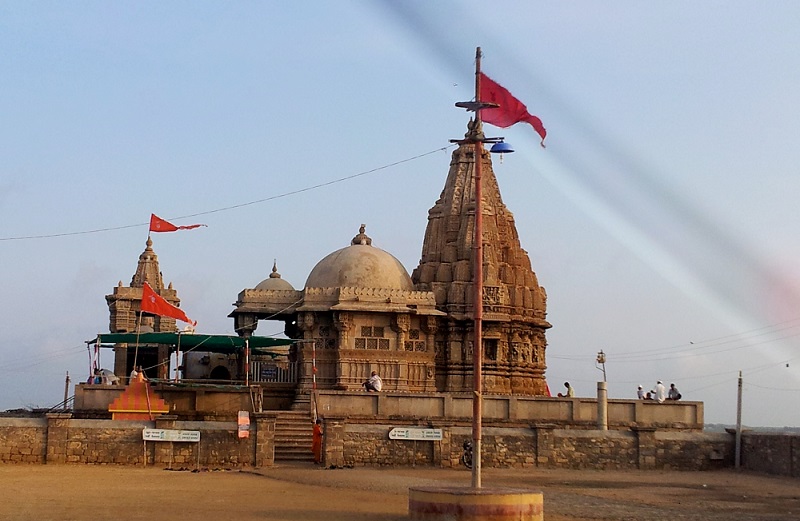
x=302 y=492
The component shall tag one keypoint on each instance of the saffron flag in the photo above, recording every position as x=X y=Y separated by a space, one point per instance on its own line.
x=154 y=303
x=510 y=111
x=157 y=224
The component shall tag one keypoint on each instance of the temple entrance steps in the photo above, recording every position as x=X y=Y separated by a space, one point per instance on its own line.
x=293 y=436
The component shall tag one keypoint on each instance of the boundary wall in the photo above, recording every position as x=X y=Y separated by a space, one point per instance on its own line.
x=365 y=442
x=777 y=454
x=577 y=413
x=59 y=438
x=517 y=432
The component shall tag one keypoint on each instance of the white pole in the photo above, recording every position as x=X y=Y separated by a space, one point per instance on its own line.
x=247 y=361
x=602 y=406
x=314 y=379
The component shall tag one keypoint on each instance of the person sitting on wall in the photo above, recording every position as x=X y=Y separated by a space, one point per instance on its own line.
x=374 y=383
x=570 y=391
x=640 y=393
x=661 y=392
x=105 y=376
x=673 y=393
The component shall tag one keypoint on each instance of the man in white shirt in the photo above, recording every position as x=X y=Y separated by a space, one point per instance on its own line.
x=374 y=383
x=661 y=392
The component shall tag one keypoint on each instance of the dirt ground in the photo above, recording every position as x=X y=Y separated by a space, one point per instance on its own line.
x=302 y=492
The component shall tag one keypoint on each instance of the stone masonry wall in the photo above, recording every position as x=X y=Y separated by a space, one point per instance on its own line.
x=367 y=443
x=61 y=439
x=701 y=451
x=595 y=449
x=771 y=453
x=23 y=440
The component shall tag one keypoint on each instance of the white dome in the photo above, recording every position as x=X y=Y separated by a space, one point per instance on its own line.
x=274 y=282
x=360 y=265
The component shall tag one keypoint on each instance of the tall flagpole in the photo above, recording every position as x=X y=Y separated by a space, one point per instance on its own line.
x=477 y=300
x=476 y=138
x=139 y=322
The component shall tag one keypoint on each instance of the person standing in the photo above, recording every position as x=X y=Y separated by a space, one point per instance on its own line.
x=374 y=383
x=661 y=392
x=316 y=441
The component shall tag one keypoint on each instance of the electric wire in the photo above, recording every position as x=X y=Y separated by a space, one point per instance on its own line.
x=235 y=206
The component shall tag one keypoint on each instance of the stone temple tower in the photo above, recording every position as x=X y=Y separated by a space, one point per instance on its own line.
x=124 y=306
x=514 y=316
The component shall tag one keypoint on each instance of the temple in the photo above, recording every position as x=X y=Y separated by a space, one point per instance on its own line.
x=360 y=311
x=125 y=316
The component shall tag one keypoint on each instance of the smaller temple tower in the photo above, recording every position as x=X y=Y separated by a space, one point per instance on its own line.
x=124 y=306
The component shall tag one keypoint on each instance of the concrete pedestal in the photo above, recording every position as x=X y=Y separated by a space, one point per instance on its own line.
x=471 y=504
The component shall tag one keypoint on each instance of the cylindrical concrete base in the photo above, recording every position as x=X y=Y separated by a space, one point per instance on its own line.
x=473 y=504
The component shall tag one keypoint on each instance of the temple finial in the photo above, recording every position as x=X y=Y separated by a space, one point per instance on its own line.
x=361 y=238
x=274 y=274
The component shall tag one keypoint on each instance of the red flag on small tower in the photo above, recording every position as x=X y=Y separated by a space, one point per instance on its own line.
x=510 y=111
x=157 y=224
x=154 y=303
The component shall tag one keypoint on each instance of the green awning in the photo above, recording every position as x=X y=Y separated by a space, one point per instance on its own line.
x=186 y=341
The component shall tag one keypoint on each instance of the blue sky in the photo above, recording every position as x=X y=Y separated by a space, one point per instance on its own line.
x=661 y=218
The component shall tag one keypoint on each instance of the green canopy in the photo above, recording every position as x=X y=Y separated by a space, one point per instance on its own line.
x=187 y=341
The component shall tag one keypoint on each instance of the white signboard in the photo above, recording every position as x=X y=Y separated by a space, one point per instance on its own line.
x=415 y=433
x=170 y=435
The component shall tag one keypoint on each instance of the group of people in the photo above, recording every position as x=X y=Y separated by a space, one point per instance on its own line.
x=107 y=376
x=660 y=393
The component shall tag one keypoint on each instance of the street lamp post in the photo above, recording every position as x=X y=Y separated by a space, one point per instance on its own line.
x=476 y=137
x=601 y=359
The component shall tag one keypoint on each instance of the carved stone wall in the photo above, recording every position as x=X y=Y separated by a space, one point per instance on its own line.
x=348 y=346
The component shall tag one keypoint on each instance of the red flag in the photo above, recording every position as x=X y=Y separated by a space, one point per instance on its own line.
x=510 y=111
x=154 y=303
x=157 y=224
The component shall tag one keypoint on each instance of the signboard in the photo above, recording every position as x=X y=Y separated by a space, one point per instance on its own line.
x=269 y=372
x=415 y=433
x=170 y=435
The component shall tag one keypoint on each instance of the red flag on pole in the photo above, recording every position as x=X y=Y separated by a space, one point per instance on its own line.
x=157 y=224
x=510 y=111
x=154 y=303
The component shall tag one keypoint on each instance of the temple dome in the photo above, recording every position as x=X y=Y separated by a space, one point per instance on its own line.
x=360 y=265
x=274 y=282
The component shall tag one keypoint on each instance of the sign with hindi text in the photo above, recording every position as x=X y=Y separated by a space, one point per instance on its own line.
x=415 y=433
x=170 y=435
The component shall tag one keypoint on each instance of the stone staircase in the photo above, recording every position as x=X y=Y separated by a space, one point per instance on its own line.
x=293 y=435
